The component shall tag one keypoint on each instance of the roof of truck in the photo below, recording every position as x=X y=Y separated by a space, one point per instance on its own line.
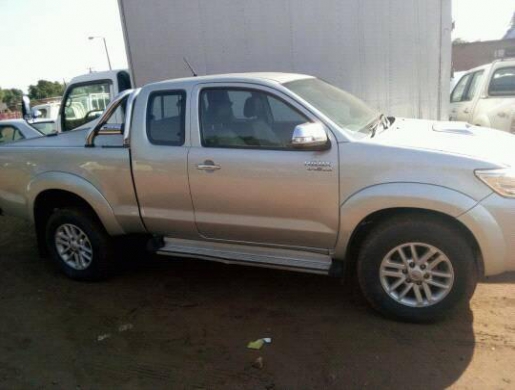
x=278 y=77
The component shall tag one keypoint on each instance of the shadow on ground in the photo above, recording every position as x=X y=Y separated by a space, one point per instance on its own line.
x=186 y=323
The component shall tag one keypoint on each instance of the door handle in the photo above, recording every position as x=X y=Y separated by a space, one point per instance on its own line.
x=466 y=111
x=209 y=166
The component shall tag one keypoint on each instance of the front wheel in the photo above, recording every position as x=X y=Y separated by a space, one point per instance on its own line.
x=79 y=244
x=416 y=268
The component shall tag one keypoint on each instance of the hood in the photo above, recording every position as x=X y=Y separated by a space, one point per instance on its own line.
x=457 y=138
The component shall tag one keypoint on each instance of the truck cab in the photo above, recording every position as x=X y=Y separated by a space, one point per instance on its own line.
x=87 y=96
x=485 y=96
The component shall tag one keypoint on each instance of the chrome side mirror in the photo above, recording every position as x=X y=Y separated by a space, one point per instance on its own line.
x=25 y=107
x=310 y=136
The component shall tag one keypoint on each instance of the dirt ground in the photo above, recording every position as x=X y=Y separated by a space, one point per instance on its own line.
x=164 y=323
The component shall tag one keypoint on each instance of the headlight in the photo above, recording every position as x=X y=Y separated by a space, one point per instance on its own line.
x=501 y=181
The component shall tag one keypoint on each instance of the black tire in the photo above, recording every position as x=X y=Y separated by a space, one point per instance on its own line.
x=101 y=243
x=420 y=229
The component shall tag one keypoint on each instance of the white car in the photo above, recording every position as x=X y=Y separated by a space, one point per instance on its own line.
x=485 y=96
x=12 y=130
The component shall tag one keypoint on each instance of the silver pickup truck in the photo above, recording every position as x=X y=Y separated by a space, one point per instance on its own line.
x=275 y=170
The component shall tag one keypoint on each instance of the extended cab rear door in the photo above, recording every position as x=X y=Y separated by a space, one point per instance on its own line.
x=159 y=147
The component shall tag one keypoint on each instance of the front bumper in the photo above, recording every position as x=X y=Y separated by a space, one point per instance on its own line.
x=492 y=222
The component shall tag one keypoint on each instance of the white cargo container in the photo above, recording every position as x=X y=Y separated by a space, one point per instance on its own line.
x=394 y=54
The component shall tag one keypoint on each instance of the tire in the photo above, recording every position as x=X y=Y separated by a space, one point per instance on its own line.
x=93 y=246
x=381 y=267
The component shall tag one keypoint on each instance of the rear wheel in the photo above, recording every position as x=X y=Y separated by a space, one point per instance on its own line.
x=416 y=269
x=79 y=244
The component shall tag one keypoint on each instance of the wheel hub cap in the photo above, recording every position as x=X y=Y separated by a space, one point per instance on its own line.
x=73 y=246
x=416 y=274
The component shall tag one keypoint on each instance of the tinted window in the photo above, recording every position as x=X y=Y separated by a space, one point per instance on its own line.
x=9 y=134
x=503 y=82
x=166 y=118
x=45 y=127
x=85 y=103
x=459 y=89
x=244 y=118
x=474 y=85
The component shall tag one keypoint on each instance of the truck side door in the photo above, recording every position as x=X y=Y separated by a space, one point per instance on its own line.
x=247 y=182
x=159 y=147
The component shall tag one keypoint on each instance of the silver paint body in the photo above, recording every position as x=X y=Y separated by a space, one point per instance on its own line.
x=269 y=207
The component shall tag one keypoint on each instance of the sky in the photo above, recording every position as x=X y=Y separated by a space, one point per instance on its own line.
x=481 y=19
x=48 y=39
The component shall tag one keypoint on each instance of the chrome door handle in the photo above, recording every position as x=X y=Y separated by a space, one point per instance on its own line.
x=208 y=166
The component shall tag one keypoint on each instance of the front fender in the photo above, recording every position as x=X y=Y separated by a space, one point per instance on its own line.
x=78 y=186
x=380 y=197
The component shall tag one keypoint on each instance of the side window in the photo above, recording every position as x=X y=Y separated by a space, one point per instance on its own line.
x=85 y=103
x=503 y=82
x=244 y=118
x=477 y=77
x=459 y=89
x=166 y=118
x=10 y=134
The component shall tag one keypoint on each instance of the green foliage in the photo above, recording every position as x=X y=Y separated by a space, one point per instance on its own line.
x=45 y=89
x=11 y=97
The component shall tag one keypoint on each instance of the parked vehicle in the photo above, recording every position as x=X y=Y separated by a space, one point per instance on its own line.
x=47 y=111
x=12 y=130
x=275 y=170
x=485 y=96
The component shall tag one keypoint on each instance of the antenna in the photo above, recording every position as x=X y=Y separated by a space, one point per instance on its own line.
x=189 y=66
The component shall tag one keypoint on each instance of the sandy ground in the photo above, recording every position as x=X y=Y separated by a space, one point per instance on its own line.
x=163 y=323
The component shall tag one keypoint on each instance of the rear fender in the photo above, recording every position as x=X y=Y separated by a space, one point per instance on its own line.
x=78 y=186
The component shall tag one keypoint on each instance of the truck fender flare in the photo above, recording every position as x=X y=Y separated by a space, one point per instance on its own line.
x=77 y=186
x=355 y=209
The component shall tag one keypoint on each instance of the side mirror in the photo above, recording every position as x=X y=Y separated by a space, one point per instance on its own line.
x=36 y=113
x=310 y=136
x=25 y=107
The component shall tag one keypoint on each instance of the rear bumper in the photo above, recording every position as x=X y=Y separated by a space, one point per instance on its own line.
x=492 y=222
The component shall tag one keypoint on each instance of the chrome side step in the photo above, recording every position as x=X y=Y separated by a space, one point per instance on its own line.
x=248 y=255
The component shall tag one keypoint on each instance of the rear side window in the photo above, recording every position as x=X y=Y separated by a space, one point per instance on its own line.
x=166 y=118
x=10 y=134
x=503 y=82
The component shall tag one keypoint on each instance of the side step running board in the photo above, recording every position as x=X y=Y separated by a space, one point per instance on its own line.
x=248 y=255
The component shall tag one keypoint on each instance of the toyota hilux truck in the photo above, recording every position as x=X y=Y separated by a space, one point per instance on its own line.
x=275 y=170
x=485 y=96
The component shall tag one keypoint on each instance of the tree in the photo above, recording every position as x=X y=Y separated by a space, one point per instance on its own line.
x=457 y=41
x=11 y=97
x=45 y=89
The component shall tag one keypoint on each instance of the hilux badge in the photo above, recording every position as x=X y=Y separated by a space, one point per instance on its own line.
x=317 y=165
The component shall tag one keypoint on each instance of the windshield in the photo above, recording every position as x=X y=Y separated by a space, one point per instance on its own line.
x=46 y=128
x=344 y=109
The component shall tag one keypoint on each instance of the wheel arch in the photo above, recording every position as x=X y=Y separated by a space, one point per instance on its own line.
x=364 y=210
x=56 y=189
